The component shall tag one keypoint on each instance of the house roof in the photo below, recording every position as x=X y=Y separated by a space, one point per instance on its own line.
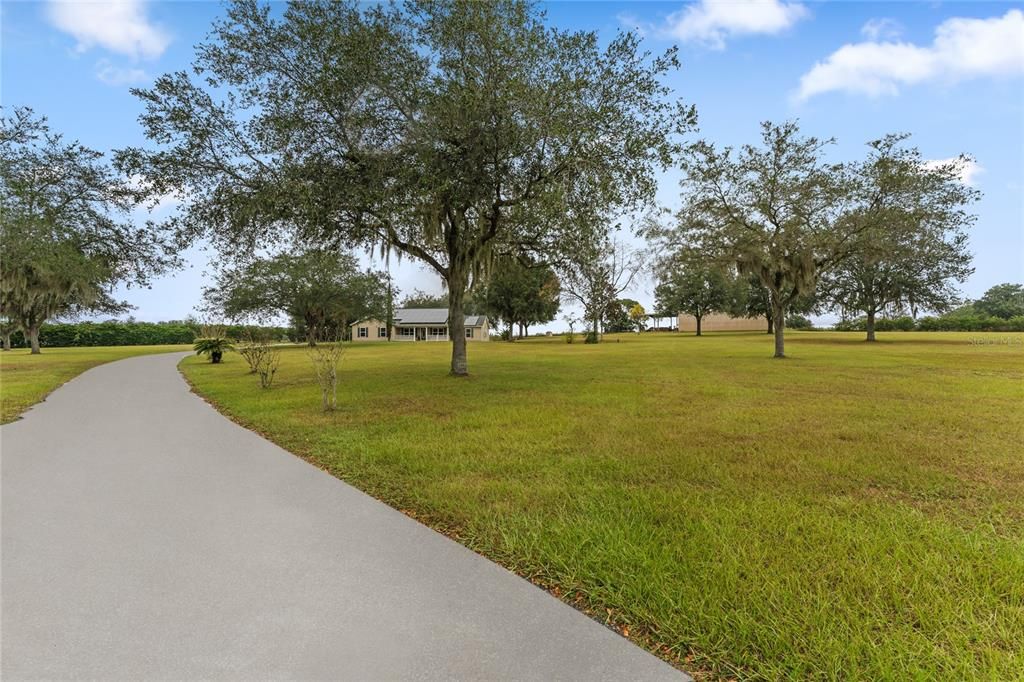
x=437 y=316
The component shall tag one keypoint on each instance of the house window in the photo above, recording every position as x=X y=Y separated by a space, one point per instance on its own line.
x=364 y=332
x=438 y=331
x=469 y=332
x=407 y=331
x=382 y=332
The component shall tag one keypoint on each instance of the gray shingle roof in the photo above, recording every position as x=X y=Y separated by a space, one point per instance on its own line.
x=437 y=316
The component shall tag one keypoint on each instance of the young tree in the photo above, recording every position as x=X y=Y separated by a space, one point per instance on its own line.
x=638 y=316
x=321 y=290
x=693 y=289
x=914 y=252
x=65 y=240
x=449 y=131
x=595 y=273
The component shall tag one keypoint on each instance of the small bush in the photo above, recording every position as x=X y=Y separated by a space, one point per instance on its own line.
x=794 y=321
x=261 y=356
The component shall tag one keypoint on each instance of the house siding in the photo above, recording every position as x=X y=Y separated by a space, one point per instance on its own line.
x=481 y=333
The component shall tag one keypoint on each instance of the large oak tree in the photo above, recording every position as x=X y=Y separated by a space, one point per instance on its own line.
x=913 y=251
x=66 y=234
x=447 y=130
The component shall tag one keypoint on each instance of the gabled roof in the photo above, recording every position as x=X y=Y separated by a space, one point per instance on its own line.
x=435 y=316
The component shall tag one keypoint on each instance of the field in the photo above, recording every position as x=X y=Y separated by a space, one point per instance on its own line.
x=26 y=379
x=854 y=511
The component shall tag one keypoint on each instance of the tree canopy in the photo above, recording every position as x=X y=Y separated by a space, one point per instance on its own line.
x=913 y=253
x=321 y=291
x=448 y=131
x=1002 y=300
x=66 y=238
x=521 y=294
x=688 y=287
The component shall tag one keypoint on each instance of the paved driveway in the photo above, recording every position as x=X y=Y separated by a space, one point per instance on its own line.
x=146 y=536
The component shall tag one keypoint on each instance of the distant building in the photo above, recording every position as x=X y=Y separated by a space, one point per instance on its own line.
x=419 y=324
x=719 y=322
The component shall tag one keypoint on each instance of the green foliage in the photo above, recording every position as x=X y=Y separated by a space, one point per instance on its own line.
x=616 y=316
x=114 y=333
x=421 y=299
x=214 y=343
x=794 y=321
x=912 y=252
x=451 y=132
x=1002 y=300
x=321 y=291
x=961 y=320
x=66 y=238
x=692 y=287
x=521 y=293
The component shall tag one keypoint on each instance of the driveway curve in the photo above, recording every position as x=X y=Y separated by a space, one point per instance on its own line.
x=145 y=536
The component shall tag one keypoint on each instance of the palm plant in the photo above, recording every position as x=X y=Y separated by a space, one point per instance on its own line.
x=213 y=342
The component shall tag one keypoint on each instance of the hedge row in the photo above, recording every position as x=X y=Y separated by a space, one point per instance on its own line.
x=945 y=323
x=116 y=333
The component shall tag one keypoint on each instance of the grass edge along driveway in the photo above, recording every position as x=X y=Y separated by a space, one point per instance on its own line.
x=851 y=512
x=27 y=379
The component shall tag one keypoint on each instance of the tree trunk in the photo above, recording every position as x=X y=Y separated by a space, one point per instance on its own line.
x=7 y=341
x=870 y=325
x=698 y=317
x=457 y=327
x=771 y=324
x=778 y=327
x=33 y=337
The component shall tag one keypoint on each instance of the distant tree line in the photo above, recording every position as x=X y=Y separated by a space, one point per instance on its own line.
x=1000 y=309
x=117 y=333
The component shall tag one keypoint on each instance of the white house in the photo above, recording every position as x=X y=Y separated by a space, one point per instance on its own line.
x=419 y=324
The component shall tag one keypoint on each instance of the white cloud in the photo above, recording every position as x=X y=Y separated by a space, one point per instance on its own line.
x=112 y=74
x=118 y=25
x=886 y=29
x=969 y=168
x=962 y=49
x=711 y=22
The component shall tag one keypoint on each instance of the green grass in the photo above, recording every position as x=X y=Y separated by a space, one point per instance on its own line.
x=26 y=379
x=855 y=511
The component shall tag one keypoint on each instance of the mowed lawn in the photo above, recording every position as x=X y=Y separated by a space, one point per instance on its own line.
x=26 y=379
x=855 y=511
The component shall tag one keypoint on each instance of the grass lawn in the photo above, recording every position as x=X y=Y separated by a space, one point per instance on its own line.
x=853 y=512
x=26 y=379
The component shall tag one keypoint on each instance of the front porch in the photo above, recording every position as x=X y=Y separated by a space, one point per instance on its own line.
x=421 y=333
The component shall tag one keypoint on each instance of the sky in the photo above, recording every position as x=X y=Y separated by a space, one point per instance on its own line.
x=951 y=74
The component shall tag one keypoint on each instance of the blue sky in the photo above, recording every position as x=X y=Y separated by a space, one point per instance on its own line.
x=952 y=74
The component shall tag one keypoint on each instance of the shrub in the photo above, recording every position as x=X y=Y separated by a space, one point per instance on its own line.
x=794 y=321
x=261 y=356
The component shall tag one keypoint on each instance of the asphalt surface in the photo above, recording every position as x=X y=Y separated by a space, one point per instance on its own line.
x=145 y=536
